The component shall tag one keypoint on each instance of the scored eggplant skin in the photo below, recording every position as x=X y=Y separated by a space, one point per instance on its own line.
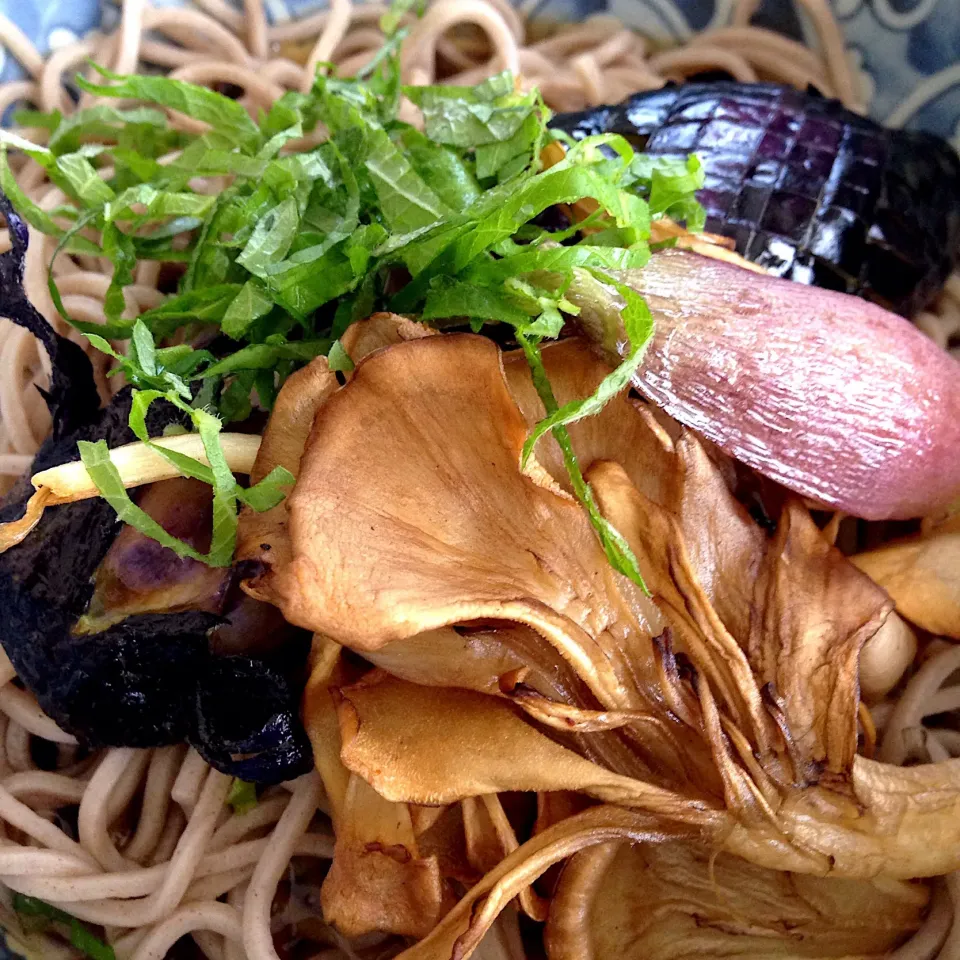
x=805 y=188
x=150 y=679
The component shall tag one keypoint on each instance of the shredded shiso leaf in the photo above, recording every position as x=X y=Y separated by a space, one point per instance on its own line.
x=242 y=797
x=303 y=242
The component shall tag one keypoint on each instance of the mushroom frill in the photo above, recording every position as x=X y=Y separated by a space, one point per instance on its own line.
x=693 y=748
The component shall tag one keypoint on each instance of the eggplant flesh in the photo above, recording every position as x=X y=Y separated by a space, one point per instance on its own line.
x=805 y=188
x=152 y=678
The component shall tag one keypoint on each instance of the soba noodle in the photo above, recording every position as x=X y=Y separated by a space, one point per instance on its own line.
x=157 y=846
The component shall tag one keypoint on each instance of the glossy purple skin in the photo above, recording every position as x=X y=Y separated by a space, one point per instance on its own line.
x=807 y=189
x=833 y=397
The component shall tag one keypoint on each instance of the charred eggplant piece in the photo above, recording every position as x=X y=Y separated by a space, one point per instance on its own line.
x=807 y=189
x=129 y=684
x=151 y=678
x=247 y=721
x=125 y=682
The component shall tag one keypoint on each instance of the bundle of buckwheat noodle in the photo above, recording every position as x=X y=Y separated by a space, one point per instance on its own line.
x=155 y=853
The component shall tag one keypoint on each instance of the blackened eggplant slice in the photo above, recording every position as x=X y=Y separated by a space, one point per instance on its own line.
x=124 y=684
x=804 y=187
x=247 y=721
x=150 y=679
x=143 y=681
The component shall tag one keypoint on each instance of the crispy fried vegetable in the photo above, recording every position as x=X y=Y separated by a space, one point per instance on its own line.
x=302 y=244
x=806 y=188
x=731 y=699
x=922 y=574
x=246 y=717
x=113 y=666
x=133 y=675
x=489 y=838
x=396 y=735
x=460 y=932
x=264 y=536
x=456 y=550
x=136 y=464
x=395 y=392
x=95 y=686
x=138 y=575
x=796 y=628
x=379 y=880
x=677 y=901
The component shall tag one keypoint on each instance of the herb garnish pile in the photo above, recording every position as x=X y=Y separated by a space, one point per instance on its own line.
x=300 y=242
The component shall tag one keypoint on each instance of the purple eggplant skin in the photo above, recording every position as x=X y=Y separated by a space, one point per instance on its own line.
x=805 y=188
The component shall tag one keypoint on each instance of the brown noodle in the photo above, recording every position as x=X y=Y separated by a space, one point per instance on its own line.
x=157 y=845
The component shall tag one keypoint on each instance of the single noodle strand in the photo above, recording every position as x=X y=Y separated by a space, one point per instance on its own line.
x=256 y=906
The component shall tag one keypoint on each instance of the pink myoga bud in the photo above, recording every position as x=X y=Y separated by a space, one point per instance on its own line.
x=826 y=393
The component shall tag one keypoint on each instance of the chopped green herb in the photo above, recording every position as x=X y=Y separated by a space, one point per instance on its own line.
x=249 y=305
x=299 y=245
x=225 y=116
x=242 y=797
x=338 y=359
x=472 y=117
x=638 y=324
x=617 y=549
x=390 y=21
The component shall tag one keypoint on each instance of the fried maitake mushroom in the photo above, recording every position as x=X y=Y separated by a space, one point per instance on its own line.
x=685 y=902
x=922 y=574
x=717 y=715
